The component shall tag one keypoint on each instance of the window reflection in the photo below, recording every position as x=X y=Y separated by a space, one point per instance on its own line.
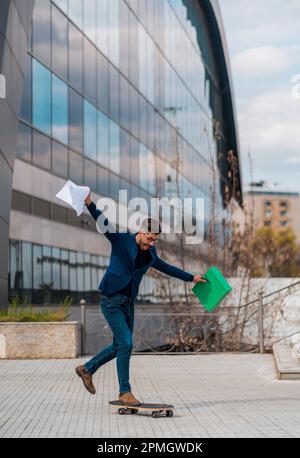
x=89 y=70
x=89 y=15
x=41 y=81
x=102 y=83
x=102 y=26
x=90 y=122
x=75 y=120
x=59 y=42
x=114 y=147
x=75 y=168
x=41 y=33
x=90 y=174
x=41 y=152
x=76 y=12
x=102 y=139
x=59 y=160
x=113 y=26
x=59 y=109
x=75 y=57
x=24 y=144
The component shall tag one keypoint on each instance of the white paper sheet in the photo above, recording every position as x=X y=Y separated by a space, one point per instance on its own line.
x=74 y=195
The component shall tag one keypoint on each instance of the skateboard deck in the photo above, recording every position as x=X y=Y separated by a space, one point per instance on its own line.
x=157 y=409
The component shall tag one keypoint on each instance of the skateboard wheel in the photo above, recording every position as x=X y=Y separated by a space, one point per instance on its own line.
x=169 y=413
x=155 y=414
x=121 y=411
x=134 y=411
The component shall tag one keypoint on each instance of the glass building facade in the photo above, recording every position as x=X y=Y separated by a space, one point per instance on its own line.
x=118 y=94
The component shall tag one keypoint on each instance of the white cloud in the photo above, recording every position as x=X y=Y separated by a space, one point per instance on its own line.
x=270 y=121
x=293 y=159
x=261 y=61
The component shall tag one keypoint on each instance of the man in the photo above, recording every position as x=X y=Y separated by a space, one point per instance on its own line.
x=131 y=257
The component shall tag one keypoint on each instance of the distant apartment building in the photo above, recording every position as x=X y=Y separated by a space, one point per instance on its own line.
x=273 y=206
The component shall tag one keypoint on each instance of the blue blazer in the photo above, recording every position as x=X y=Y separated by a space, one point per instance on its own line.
x=121 y=267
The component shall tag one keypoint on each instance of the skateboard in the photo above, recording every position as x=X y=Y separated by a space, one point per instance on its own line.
x=157 y=409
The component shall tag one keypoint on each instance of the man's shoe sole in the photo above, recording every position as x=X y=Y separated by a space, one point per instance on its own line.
x=79 y=375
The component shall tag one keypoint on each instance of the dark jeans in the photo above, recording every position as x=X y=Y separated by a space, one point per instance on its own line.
x=118 y=311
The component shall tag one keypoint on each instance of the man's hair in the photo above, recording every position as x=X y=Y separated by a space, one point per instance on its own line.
x=150 y=225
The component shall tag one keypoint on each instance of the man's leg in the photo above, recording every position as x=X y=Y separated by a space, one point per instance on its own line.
x=116 y=316
x=104 y=356
x=130 y=324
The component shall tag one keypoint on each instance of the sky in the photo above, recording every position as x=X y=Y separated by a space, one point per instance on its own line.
x=263 y=38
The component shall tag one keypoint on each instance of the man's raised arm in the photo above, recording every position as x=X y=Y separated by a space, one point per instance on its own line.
x=110 y=234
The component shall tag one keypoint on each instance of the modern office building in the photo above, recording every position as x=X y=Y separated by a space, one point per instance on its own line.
x=116 y=94
x=273 y=206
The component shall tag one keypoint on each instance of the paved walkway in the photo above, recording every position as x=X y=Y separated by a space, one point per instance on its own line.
x=220 y=395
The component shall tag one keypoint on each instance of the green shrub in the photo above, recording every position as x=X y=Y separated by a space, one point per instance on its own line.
x=24 y=312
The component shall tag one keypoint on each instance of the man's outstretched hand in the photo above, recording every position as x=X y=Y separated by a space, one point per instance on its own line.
x=88 y=199
x=199 y=278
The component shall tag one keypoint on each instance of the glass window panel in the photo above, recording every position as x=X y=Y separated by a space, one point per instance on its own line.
x=37 y=267
x=90 y=130
x=114 y=186
x=143 y=119
x=87 y=272
x=25 y=112
x=15 y=265
x=41 y=110
x=134 y=160
x=27 y=265
x=89 y=70
x=41 y=32
x=75 y=57
x=59 y=213
x=123 y=30
x=41 y=152
x=114 y=147
x=133 y=50
x=102 y=138
x=73 y=271
x=102 y=181
x=75 y=120
x=59 y=109
x=56 y=276
x=113 y=26
x=102 y=26
x=63 y=5
x=125 y=154
x=76 y=12
x=65 y=270
x=142 y=49
x=90 y=174
x=134 y=115
x=89 y=15
x=24 y=144
x=75 y=168
x=94 y=272
x=80 y=272
x=124 y=103
x=59 y=43
x=21 y=201
x=114 y=93
x=46 y=267
x=40 y=207
x=102 y=82
x=59 y=160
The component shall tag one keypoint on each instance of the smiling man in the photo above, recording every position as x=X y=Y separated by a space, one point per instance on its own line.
x=131 y=257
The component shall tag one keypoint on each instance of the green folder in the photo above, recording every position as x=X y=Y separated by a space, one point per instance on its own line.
x=211 y=293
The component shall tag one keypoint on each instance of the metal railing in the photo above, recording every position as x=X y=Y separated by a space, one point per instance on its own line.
x=165 y=325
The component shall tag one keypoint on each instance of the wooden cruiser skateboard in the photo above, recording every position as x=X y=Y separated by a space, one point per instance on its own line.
x=157 y=409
